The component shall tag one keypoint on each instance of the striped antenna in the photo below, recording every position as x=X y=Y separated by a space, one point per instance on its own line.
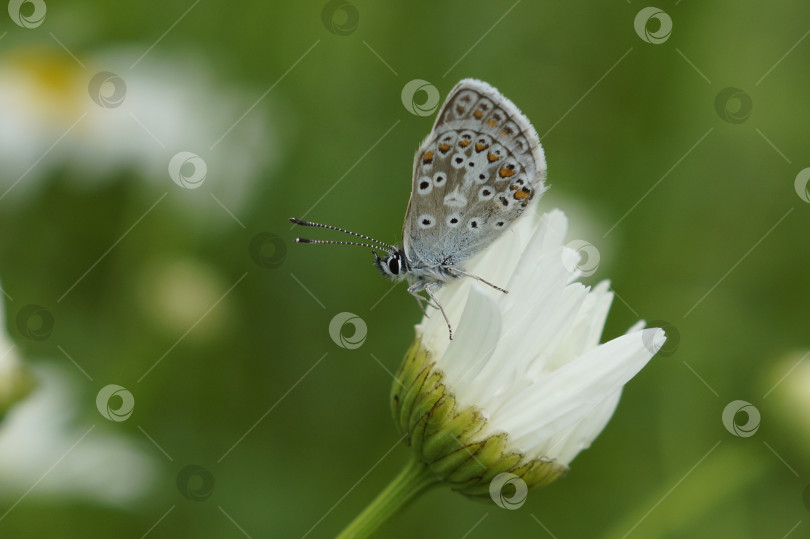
x=307 y=240
x=319 y=225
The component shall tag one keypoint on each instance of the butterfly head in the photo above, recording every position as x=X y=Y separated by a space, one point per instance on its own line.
x=393 y=265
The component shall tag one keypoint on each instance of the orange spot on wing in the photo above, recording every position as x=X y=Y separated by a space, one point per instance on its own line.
x=491 y=157
x=481 y=147
x=505 y=172
x=464 y=143
x=478 y=114
x=492 y=123
x=520 y=195
x=428 y=157
x=444 y=147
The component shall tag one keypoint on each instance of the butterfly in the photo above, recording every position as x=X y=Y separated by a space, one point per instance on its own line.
x=473 y=176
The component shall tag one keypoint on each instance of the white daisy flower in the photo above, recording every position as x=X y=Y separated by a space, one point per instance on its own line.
x=100 y=465
x=41 y=424
x=114 y=116
x=524 y=385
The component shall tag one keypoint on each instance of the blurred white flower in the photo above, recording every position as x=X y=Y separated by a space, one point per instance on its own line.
x=105 y=468
x=56 y=114
x=42 y=429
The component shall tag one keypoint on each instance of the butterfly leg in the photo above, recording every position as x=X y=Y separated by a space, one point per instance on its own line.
x=477 y=278
x=423 y=302
x=429 y=291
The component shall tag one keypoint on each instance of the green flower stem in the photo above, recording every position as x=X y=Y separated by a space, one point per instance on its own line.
x=412 y=481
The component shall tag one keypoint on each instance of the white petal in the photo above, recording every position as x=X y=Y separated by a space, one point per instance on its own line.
x=565 y=445
x=475 y=341
x=566 y=396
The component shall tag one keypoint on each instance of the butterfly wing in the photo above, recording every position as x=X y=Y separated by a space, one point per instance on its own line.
x=473 y=176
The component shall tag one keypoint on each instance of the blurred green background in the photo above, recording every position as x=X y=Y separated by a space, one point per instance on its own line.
x=697 y=218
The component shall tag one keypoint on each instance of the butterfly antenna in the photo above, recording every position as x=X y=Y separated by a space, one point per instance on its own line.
x=320 y=225
x=307 y=240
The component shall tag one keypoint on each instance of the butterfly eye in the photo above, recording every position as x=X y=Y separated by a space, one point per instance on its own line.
x=393 y=265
